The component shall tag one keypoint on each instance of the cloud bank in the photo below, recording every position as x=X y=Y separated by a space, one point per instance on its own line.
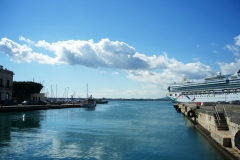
x=116 y=55
x=104 y=54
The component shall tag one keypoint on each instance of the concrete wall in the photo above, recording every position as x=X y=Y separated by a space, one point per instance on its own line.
x=206 y=119
x=233 y=129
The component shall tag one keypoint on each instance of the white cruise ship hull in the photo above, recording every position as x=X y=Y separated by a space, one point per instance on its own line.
x=204 y=97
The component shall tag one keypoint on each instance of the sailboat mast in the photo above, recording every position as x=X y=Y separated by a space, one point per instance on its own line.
x=87 y=90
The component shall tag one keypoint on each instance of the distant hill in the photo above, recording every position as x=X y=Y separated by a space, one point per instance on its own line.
x=165 y=99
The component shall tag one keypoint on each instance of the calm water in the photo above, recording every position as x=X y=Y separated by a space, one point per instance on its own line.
x=118 y=130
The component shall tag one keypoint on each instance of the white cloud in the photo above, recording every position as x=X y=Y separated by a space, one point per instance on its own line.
x=23 y=53
x=174 y=73
x=115 y=73
x=26 y=40
x=152 y=70
x=105 y=53
x=233 y=67
x=196 y=59
x=234 y=48
x=237 y=40
x=215 y=51
x=229 y=68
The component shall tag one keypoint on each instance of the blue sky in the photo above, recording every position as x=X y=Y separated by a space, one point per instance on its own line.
x=121 y=49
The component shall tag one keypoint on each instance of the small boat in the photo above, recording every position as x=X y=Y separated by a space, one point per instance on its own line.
x=100 y=101
x=89 y=103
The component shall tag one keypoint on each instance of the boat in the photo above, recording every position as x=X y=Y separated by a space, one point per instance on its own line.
x=220 y=88
x=100 y=101
x=90 y=102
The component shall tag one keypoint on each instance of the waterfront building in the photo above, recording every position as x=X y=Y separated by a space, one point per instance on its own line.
x=6 y=85
x=38 y=97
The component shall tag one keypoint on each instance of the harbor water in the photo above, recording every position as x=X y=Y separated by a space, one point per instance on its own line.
x=117 y=130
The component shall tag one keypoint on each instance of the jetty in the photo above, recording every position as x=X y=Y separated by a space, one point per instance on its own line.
x=17 y=108
x=219 y=123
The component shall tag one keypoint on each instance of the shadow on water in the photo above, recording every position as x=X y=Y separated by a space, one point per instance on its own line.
x=5 y=129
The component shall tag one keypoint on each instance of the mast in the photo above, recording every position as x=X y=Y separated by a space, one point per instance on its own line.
x=87 y=90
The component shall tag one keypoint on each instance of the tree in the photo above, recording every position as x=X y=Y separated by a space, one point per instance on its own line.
x=23 y=90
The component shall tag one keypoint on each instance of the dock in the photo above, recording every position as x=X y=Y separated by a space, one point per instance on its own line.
x=17 y=108
x=219 y=123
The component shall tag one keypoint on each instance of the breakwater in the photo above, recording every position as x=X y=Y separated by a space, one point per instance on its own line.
x=219 y=123
x=16 y=108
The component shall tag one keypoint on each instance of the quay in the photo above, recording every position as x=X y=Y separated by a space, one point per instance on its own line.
x=219 y=123
x=17 y=108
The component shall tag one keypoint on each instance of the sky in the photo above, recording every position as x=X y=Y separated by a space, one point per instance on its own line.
x=118 y=48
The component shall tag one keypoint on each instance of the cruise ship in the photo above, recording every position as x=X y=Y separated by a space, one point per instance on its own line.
x=220 y=88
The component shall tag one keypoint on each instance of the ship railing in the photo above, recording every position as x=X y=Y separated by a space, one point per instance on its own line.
x=216 y=114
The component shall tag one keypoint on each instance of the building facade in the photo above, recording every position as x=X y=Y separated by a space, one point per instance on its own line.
x=6 y=84
x=38 y=97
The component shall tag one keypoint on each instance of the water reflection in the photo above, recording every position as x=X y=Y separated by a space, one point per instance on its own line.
x=26 y=120
x=16 y=122
x=5 y=129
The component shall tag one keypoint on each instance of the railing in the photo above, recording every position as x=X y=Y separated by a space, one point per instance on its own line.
x=225 y=113
x=217 y=115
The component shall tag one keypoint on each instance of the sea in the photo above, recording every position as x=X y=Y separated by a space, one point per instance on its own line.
x=121 y=130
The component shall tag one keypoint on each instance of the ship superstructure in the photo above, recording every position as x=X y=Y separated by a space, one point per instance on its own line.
x=220 y=88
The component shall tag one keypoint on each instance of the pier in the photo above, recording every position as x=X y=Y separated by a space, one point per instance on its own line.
x=17 y=108
x=219 y=123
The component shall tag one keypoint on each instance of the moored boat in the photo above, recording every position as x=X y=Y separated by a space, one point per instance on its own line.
x=89 y=103
x=100 y=101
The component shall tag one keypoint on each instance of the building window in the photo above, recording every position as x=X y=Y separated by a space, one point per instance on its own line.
x=1 y=82
x=7 y=96
x=8 y=83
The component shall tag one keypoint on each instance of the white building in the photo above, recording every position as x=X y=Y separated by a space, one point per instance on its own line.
x=38 y=97
x=6 y=84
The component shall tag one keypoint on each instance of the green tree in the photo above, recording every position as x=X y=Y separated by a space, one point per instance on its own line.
x=23 y=90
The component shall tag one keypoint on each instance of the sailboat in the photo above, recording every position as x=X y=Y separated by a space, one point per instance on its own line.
x=90 y=102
